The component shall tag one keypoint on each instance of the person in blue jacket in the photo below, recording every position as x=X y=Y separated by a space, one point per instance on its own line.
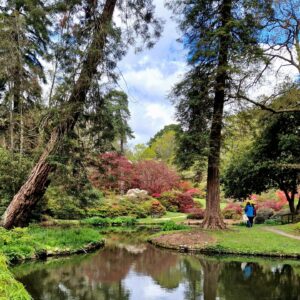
x=250 y=213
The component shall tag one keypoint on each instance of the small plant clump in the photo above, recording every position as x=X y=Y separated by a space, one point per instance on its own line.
x=171 y=225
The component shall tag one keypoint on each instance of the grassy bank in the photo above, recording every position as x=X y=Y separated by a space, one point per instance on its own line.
x=236 y=240
x=26 y=243
x=254 y=241
x=32 y=242
x=9 y=287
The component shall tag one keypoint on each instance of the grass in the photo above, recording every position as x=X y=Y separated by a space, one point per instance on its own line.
x=169 y=216
x=290 y=228
x=25 y=243
x=20 y=244
x=9 y=287
x=255 y=241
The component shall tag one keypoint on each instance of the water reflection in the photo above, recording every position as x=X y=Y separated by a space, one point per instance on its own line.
x=131 y=270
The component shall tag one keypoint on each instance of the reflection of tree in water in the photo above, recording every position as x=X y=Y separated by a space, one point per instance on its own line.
x=264 y=283
x=71 y=282
x=211 y=273
x=193 y=276
x=161 y=265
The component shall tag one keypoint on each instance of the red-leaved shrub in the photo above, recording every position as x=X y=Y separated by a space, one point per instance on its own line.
x=196 y=214
x=185 y=186
x=154 y=177
x=112 y=172
x=194 y=192
x=233 y=211
x=185 y=202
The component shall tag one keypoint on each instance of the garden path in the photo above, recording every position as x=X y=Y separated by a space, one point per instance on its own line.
x=282 y=233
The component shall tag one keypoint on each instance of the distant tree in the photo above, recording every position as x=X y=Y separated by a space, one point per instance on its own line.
x=160 y=133
x=273 y=161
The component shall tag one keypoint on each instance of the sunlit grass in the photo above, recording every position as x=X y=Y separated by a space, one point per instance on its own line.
x=169 y=216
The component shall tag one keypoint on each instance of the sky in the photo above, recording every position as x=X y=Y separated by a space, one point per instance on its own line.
x=148 y=77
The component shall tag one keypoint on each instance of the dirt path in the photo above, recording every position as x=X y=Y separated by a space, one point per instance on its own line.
x=282 y=233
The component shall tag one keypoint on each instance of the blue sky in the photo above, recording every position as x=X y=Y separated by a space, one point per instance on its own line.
x=149 y=77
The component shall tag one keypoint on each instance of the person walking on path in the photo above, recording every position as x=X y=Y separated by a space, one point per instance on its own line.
x=250 y=213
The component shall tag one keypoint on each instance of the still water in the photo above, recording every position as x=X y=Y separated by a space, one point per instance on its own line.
x=129 y=269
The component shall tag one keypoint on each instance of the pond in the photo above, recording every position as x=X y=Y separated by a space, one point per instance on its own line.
x=129 y=269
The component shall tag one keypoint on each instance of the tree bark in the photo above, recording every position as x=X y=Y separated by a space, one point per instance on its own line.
x=298 y=206
x=291 y=200
x=18 y=212
x=213 y=218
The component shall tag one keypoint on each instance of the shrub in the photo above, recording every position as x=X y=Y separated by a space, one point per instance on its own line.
x=171 y=225
x=194 y=192
x=263 y=214
x=112 y=171
x=185 y=186
x=272 y=222
x=233 y=211
x=157 y=209
x=196 y=214
x=185 y=202
x=231 y=214
x=97 y=221
x=170 y=201
x=154 y=177
x=273 y=204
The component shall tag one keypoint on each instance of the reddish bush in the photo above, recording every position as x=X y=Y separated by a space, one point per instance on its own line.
x=233 y=211
x=196 y=214
x=185 y=202
x=273 y=204
x=194 y=192
x=156 y=195
x=112 y=172
x=185 y=186
x=154 y=177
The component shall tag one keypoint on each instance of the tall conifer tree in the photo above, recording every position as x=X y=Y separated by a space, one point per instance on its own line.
x=222 y=37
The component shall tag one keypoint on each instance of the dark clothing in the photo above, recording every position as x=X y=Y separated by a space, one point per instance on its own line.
x=250 y=221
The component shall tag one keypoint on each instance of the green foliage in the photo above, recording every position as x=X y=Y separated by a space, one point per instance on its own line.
x=272 y=162
x=10 y=289
x=106 y=222
x=272 y=222
x=13 y=171
x=171 y=225
x=20 y=244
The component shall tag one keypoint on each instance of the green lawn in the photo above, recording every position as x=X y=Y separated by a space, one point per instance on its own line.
x=254 y=241
x=174 y=216
x=293 y=229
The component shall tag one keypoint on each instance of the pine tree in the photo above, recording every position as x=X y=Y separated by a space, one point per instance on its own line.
x=222 y=38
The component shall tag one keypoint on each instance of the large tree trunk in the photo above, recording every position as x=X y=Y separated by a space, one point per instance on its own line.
x=18 y=211
x=291 y=200
x=213 y=218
